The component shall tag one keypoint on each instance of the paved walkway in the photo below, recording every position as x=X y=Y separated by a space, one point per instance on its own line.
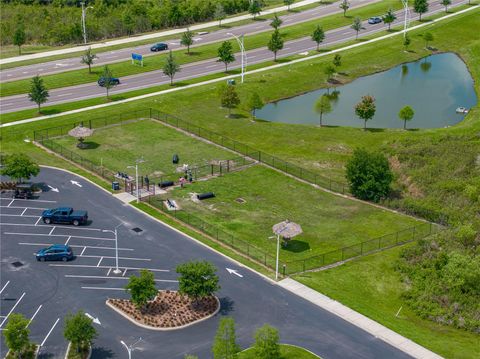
x=151 y=36
x=125 y=197
x=359 y=320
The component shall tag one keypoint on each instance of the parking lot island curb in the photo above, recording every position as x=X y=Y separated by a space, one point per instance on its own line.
x=68 y=351
x=159 y=328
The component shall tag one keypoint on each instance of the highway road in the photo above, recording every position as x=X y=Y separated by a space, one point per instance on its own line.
x=120 y=55
x=87 y=281
x=193 y=70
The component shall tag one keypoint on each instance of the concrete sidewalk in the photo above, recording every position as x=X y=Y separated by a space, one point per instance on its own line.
x=359 y=320
x=150 y=36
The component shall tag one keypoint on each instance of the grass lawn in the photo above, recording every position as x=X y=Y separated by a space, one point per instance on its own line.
x=286 y=352
x=329 y=222
x=371 y=286
x=119 y=146
x=203 y=52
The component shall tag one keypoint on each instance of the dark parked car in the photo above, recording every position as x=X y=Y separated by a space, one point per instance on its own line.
x=23 y=190
x=101 y=81
x=64 y=215
x=56 y=252
x=159 y=47
x=375 y=20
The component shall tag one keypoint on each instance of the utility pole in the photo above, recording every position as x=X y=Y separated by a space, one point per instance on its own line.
x=137 y=162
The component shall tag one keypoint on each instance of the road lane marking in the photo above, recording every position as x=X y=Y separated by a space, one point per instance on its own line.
x=107 y=277
x=11 y=310
x=51 y=329
x=105 y=267
x=103 y=288
x=5 y=286
x=34 y=314
x=65 y=94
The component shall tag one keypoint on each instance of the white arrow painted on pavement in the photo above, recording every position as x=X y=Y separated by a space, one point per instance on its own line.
x=76 y=183
x=234 y=271
x=53 y=188
x=95 y=320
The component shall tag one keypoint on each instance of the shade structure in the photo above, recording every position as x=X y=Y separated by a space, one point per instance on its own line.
x=287 y=229
x=80 y=132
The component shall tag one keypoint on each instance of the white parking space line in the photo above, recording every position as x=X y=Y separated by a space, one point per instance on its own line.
x=68 y=240
x=50 y=331
x=5 y=286
x=124 y=272
x=109 y=270
x=83 y=251
x=41 y=209
x=106 y=277
x=25 y=211
x=100 y=261
x=105 y=267
x=34 y=314
x=51 y=231
x=47 y=226
x=20 y=215
x=11 y=310
x=13 y=200
x=39 y=218
x=103 y=288
x=74 y=246
x=110 y=257
x=58 y=235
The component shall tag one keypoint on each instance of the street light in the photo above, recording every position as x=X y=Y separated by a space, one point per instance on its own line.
x=116 y=270
x=130 y=348
x=84 y=14
x=407 y=17
x=242 y=52
x=140 y=160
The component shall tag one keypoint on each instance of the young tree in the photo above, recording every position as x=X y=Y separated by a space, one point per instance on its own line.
x=406 y=42
x=224 y=344
x=225 y=54
x=288 y=3
x=198 y=279
x=19 y=166
x=254 y=103
x=38 y=92
x=318 y=36
x=275 y=44
x=266 y=343
x=107 y=76
x=329 y=71
x=369 y=175
x=446 y=3
x=255 y=8
x=19 y=38
x=406 y=114
x=322 y=106
x=142 y=288
x=427 y=37
x=16 y=334
x=79 y=330
x=228 y=97
x=420 y=7
x=276 y=22
x=219 y=14
x=357 y=26
x=365 y=109
x=389 y=17
x=344 y=5
x=187 y=40
x=337 y=60
x=87 y=59
x=170 y=68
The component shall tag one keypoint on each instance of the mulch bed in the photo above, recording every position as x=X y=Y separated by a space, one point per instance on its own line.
x=169 y=309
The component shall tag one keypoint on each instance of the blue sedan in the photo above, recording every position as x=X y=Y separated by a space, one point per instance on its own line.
x=375 y=20
x=56 y=252
x=159 y=47
x=103 y=80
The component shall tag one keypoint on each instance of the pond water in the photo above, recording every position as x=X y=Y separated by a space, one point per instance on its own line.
x=433 y=86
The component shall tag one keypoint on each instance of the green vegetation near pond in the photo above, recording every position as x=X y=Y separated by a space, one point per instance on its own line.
x=286 y=351
x=373 y=287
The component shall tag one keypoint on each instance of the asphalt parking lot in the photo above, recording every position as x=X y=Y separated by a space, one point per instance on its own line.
x=46 y=291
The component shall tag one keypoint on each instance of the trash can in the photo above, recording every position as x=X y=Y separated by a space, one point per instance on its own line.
x=230 y=82
x=115 y=186
x=175 y=159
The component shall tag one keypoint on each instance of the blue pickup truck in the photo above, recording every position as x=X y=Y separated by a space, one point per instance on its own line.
x=64 y=215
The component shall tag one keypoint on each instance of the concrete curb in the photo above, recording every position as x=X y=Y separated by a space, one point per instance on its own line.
x=221 y=79
x=151 y=36
x=68 y=350
x=289 y=345
x=162 y=329
x=359 y=320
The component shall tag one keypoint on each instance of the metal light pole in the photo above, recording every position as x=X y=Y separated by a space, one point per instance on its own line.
x=407 y=17
x=130 y=348
x=278 y=254
x=84 y=14
x=116 y=270
x=140 y=160
x=242 y=52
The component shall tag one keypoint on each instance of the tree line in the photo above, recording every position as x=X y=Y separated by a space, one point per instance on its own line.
x=58 y=22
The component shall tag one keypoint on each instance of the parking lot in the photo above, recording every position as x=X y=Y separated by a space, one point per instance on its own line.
x=45 y=292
